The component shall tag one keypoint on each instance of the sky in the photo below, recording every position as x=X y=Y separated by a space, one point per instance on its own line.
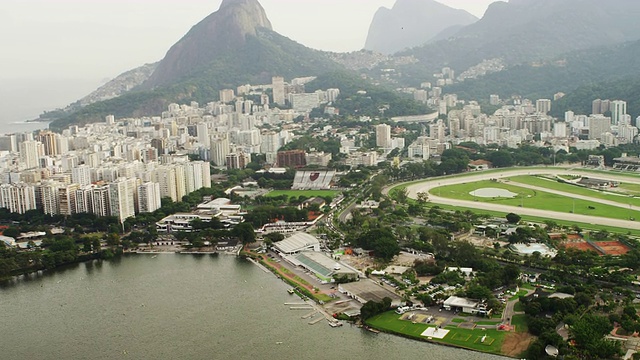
x=99 y=39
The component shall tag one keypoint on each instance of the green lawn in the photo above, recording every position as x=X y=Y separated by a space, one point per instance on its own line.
x=486 y=322
x=307 y=193
x=534 y=199
x=471 y=339
x=458 y=320
x=518 y=294
x=554 y=185
x=518 y=306
x=520 y=322
x=632 y=188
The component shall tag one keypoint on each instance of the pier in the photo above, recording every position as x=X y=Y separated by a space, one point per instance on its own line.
x=309 y=314
x=315 y=321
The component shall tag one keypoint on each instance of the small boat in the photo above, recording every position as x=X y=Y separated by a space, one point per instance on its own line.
x=335 y=323
x=291 y=291
x=372 y=330
x=278 y=342
x=154 y=256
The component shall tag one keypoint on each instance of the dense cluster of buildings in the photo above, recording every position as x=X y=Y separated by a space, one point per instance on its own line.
x=125 y=166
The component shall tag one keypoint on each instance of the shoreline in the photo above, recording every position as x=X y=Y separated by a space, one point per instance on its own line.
x=321 y=308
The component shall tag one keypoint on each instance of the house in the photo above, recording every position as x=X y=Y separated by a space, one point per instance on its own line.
x=465 y=305
x=479 y=165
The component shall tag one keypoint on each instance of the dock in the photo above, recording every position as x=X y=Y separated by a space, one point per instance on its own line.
x=300 y=304
x=315 y=321
x=310 y=314
x=300 y=308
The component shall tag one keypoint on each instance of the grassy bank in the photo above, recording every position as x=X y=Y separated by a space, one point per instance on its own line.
x=469 y=339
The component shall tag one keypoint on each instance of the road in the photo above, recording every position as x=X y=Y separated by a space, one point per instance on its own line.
x=428 y=185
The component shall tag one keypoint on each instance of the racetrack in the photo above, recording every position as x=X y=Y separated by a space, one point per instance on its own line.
x=426 y=186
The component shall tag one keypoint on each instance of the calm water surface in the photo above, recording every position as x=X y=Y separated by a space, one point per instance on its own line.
x=179 y=307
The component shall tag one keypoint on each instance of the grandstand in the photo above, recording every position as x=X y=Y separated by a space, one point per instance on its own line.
x=313 y=180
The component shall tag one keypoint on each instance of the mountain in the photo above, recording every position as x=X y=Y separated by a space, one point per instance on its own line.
x=224 y=31
x=524 y=31
x=412 y=23
x=564 y=73
x=235 y=45
x=119 y=85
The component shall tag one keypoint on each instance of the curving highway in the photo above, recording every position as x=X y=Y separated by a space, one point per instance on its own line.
x=428 y=185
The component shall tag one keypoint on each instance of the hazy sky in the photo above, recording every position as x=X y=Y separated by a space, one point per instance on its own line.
x=96 y=39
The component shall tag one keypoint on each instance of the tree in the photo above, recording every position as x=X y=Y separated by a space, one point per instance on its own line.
x=244 y=232
x=423 y=197
x=513 y=218
x=11 y=232
x=402 y=195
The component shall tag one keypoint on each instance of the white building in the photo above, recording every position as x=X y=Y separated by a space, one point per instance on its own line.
x=277 y=82
x=383 y=136
x=81 y=175
x=122 y=198
x=17 y=198
x=296 y=243
x=149 y=199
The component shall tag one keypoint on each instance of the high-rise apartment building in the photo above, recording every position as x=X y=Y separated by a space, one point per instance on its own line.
x=30 y=153
x=17 y=198
x=383 y=136
x=122 y=198
x=67 y=199
x=226 y=95
x=277 y=82
x=291 y=158
x=100 y=201
x=148 y=197
x=543 y=106
x=598 y=125
x=618 y=110
x=81 y=175
x=50 y=142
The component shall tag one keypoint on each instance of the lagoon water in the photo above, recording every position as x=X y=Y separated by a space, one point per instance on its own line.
x=179 y=307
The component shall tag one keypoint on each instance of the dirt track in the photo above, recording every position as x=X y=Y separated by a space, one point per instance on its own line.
x=426 y=186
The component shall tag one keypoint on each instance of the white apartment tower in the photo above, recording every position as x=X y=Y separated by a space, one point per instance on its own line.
x=148 y=197
x=49 y=197
x=220 y=148
x=122 y=198
x=226 y=95
x=100 y=201
x=618 y=110
x=277 y=82
x=17 y=198
x=543 y=106
x=383 y=136
x=30 y=153
x=81 y=175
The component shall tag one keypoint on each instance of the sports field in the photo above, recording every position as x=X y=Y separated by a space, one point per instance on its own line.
x=528 y=198
x=466 y=338
x=307 y=193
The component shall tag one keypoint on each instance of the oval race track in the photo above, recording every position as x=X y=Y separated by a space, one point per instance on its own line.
x=426 y=186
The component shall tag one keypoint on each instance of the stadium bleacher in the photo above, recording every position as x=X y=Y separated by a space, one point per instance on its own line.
x=313 y=180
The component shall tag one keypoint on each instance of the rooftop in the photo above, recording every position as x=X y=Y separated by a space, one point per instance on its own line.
x=296 y=242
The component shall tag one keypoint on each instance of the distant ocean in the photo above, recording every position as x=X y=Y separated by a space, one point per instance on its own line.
x=26 y=99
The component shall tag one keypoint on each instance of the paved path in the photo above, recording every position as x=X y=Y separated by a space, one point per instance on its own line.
x=429 y=184
x=509 y=308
